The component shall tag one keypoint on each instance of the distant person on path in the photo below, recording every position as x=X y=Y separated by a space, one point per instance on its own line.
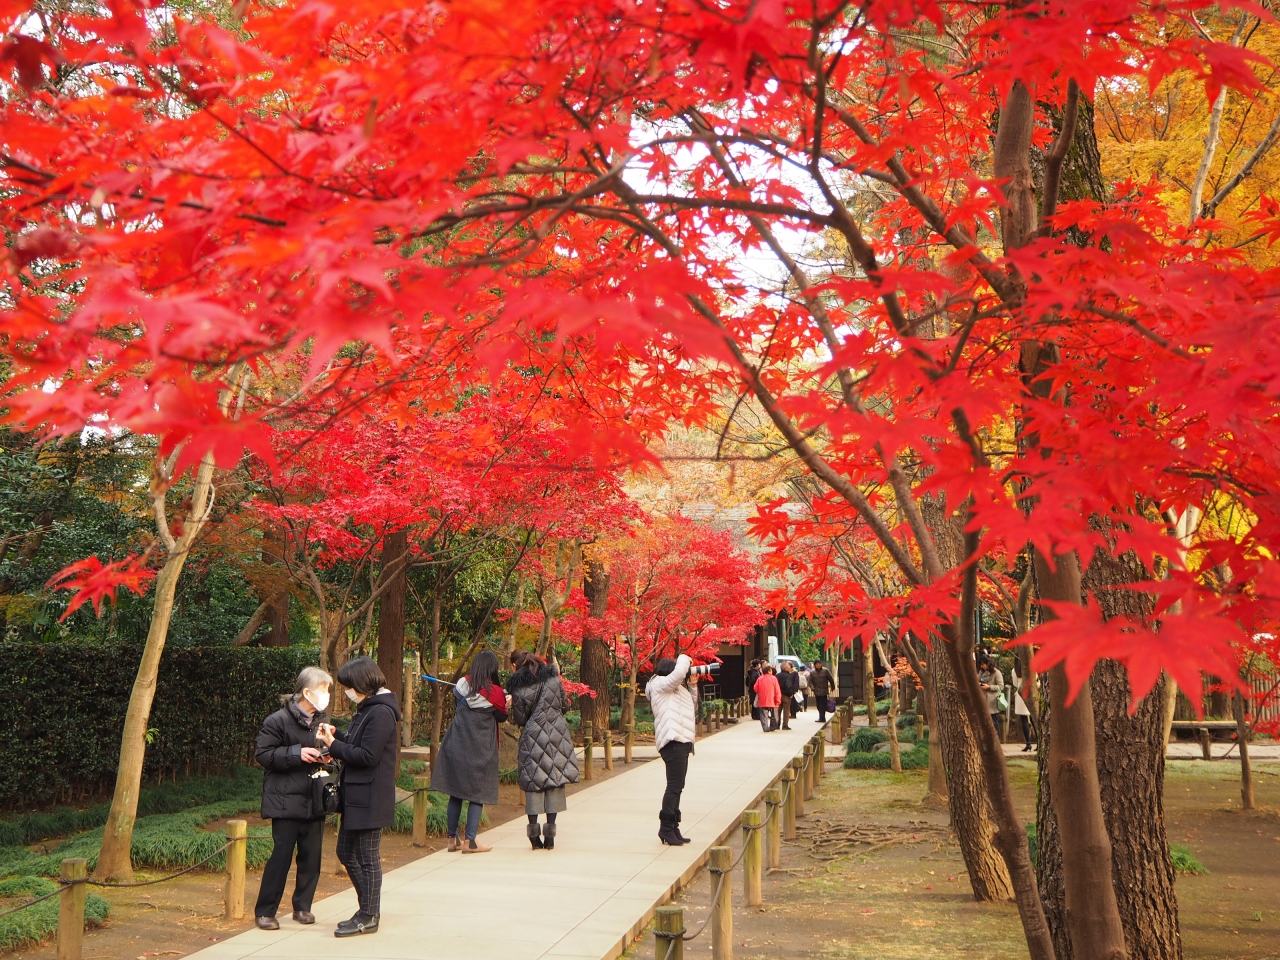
x=291 y=797
x=368 y=785
x=674 y=708
x=545 y=756
x=467 y=768
x=1020 y=708
x=752 y=676
x=769 y=695
x=823 y=685
x=803 y=703
x=992 y=682
x=789 y=681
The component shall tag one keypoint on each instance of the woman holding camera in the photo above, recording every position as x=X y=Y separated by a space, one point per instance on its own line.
x=674 y=709
x=291 y=797
x=368 y=785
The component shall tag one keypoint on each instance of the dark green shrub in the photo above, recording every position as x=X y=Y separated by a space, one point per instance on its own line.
x=916 y=758
x=864 y=739
x=63 y=705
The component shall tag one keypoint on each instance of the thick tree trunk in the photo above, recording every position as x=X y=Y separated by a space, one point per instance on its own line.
x=1089 y=895
x=1130 y=764
x=869 y=685
x=595 y=650
x=391 y=606
x=114 y=859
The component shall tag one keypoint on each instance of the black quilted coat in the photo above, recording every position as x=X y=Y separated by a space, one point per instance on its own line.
x=545 y=755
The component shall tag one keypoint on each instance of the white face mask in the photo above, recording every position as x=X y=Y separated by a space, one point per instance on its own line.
x=319 y=700
x=353 y=696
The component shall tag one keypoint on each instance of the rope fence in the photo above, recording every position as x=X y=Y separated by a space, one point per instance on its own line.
x=74 y=879
x=798 y=779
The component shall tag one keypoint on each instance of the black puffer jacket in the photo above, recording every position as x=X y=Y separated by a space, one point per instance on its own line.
x=538 y=704
x=368 y=754
x=821 y=682
x=288 y=791
x=789 y=682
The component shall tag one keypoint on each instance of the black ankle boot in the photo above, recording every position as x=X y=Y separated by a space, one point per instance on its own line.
x=533 y=831
x=358 y=925
x=675 y=827
x=667 y=831
x=549 y=837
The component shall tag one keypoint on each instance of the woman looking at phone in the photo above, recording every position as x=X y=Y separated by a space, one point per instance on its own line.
x=368 y=785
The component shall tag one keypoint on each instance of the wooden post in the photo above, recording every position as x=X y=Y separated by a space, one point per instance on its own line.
x=820 y=748
x=1203 y=734
x=587 y=763
x=773 y=828
x=407 y=702
x=608 y=748
x=797 y=789
x=421 y=803
x=721 y=867
x=238 y=837
x=752 y=846
x=789 y=804
x=810 y=774
x=629 y=742
x=71 y=909
x=669 y=920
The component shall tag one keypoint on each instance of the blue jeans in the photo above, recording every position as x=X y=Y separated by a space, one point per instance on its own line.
x=454 y=814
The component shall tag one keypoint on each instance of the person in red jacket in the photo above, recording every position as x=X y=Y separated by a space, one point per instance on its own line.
x=768 y=698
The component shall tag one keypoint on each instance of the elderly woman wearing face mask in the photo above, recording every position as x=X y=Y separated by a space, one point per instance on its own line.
x=290 y=799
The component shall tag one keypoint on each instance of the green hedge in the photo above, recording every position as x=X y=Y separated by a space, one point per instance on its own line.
x=36 y=924
x=917 y=758
x=243 y=782
x=63 y=706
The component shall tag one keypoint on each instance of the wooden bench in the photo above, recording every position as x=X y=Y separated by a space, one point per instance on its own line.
x=1202 y=728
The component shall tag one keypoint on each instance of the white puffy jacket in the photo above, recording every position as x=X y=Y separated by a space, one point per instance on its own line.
x=674 y=708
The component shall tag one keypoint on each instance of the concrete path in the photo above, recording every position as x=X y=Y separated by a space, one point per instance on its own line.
x=585 y=900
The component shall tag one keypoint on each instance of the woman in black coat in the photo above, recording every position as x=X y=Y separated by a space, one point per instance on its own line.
x=467 y=766
x=291 y=797
x=368 y=754
x=545 y=757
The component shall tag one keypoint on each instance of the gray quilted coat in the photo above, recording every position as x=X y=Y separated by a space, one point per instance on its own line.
x=545 y=755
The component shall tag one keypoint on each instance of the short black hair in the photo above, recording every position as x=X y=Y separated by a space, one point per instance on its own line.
x=362 y=675
x=666 y=666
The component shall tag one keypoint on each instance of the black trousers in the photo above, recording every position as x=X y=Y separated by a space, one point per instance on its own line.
x=307 y=836
x=822 y=708
x=360 y=851
x=676 y=757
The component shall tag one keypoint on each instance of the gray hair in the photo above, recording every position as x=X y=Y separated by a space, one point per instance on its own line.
x=309 y=679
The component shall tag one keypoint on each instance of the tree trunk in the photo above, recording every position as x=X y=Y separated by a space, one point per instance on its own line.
x=869 y=685
x=1130 y=764
x=1089 y=894
x=391 y=607
x=895 y=752
x=513 y=624
x=437 y=689
x=114 y=859
x=277 y=612
x=966 y=787
x=595 y=650
x=1242 y=744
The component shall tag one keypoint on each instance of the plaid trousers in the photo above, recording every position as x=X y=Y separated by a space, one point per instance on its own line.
x=359 y=851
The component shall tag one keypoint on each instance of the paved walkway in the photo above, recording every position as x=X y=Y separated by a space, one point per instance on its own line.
x=585 y=900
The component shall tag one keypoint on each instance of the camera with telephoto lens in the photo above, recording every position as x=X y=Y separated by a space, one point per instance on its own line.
x=705 y=670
